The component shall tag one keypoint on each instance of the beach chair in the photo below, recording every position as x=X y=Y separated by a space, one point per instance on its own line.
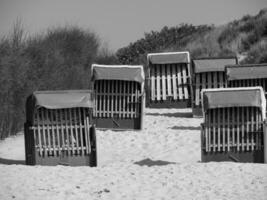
x=248 y=75
x=233 y=128
x=168 y=84
x=119 y=96
x=59 y=129
x=207 y=73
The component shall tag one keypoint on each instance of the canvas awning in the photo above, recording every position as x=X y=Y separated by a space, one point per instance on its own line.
x=168 y=58
x=58 y=100
x=212 y=64
x=242 y=72
x=118 y=72
x=234 y=97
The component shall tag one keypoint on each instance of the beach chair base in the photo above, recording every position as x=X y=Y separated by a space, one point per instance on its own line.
x=169 y=104
x=64 y=159
x=233 y=156
x=33 y=156
x=118 y=123
x=197 y=112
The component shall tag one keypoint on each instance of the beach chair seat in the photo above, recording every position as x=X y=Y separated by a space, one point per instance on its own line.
x=59 y=128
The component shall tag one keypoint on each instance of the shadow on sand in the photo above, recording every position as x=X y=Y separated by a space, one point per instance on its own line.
x=148 y=162
x=179 y=114
x=191 y=128
x=11 y=162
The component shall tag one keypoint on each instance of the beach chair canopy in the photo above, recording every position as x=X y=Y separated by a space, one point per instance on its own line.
x=59 y=99
x=241 y=72
x=212 y=64
x=234 y=97
x=118 y=72
x=168 y=58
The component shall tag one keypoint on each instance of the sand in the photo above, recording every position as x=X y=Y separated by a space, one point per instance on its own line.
x=160 y=162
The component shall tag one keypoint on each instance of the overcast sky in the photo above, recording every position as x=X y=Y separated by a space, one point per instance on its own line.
x=119 y=22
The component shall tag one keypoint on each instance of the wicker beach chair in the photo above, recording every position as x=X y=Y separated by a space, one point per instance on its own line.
x=168 y=84
x=233 y=128
x=119 y=96
x=59 y=128
x=207 y=73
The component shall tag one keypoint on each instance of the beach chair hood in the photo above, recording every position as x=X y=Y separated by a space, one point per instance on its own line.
x=234 y=97
x=242 y=72
x=212 y=65
x=58 y=100
x=118 y=72
x=168 y=58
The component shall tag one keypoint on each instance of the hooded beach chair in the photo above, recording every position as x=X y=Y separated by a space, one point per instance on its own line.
x=248 y=75
x=59 y=128
x=169 y=80
x=119 y=96
x=233 y=128
x=207 y=73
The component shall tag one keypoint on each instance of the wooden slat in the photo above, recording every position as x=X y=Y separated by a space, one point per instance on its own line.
x=243 y=128
x=80 y=130
x=62 y=128
x=163 y=81
x=136 y=101
x=257 y=133
x=120 y=98
x=88 y=135
x=97 y=99
x=86 y=131
x=185 y=81
x=223 y=128
x=214 y=129
x=67 y=131
x=108 y=91
x=206 y=137
x=221 y=81
x=152 y=83
x=44 y=132
x=215 y=80
x=197 y=99
x=209 y=132
x=39 y=133
x=179 y=83
x=101 y=98
x=104 y=98
x=247 y=127
x=228 y=129
x=71 y=131
x=209 y=80
x=116 y=96
x=112 y=97
x=219 y=129
x=48 y=131
x=174 y=82
x=57 y=130
x=169 y=81
x=237 y=129
x=157 y=70
x=53 y=131
x=233 y=127
x=252 y=128
x=76 y=129
x=124 y=113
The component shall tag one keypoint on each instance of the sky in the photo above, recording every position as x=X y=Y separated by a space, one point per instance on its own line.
x=119 y=22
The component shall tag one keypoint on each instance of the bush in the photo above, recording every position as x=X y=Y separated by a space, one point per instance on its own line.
x=58 y=59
